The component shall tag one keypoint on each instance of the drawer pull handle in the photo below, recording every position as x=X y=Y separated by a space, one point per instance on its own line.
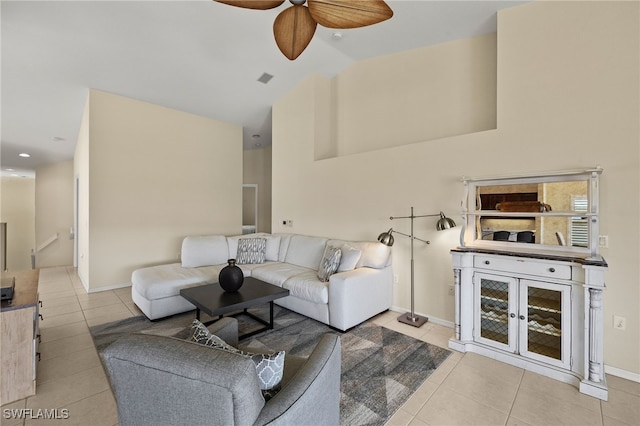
x=41 y=317
x=521 y=317
x=486 y=262
x=552 y=269
x=38 y=355
x=512 y=315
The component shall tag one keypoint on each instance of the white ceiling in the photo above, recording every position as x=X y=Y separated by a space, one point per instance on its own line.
x=199 y=56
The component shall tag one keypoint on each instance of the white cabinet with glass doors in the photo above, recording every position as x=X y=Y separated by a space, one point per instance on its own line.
x=528 y=277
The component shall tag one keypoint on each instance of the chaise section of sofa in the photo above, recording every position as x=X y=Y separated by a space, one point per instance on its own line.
x=359 y=289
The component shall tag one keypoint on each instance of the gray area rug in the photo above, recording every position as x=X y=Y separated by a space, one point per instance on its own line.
x=381 y=368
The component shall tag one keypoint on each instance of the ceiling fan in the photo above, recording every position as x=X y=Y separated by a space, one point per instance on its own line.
x=294 y=27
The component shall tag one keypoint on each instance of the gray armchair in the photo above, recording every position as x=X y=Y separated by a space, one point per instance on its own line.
x=160 y=380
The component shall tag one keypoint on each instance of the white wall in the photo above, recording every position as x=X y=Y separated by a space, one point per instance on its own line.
x=155 y=175
x=567 y=98
x=18 y=211
x=54 y=214
x=430 y=93
x=570 y=88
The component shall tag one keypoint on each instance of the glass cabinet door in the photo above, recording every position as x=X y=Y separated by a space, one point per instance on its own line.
x=495 y=321
x=545 y=322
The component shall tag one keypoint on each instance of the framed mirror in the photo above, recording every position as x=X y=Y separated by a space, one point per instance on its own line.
x=555 y=211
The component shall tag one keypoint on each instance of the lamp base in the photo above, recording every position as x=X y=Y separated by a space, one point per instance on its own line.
x=414 y=320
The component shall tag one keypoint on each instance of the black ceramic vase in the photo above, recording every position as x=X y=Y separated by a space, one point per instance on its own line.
x=231 y=277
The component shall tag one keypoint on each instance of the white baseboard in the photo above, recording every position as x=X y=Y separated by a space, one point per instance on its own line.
x=434 y=320
x=624 y=374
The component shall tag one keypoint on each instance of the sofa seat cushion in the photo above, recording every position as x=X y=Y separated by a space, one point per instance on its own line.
x=307 y=286
x=277 y=273
x=247 y=269
x=157 y=282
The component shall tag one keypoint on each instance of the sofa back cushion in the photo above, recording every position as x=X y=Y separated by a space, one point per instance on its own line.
x=350 y=254
x=305 y=251
x=285 y=239
x=204 y=251
x=368 y=254
x=374 y=254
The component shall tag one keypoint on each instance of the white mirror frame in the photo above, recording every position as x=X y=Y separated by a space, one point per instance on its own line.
x=468 y=235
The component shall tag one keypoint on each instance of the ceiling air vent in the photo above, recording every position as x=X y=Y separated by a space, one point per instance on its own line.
x=265 y=78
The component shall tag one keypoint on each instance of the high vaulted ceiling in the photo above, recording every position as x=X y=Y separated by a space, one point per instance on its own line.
x=197 y=56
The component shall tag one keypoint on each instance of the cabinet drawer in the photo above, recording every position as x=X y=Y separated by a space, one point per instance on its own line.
x=524 y=266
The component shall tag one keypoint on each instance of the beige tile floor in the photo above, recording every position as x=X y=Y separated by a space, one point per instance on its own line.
x=466 y=389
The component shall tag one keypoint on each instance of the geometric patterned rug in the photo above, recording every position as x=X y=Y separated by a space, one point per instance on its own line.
x=381 y=368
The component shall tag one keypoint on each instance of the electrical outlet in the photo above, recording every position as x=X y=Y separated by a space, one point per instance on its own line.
x=289 y=223
x=619 y=323
x=452 y=291
x=395 y=278
x=603 y=241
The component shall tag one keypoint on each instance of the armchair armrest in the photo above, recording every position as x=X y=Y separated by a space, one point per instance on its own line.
x=313 y=393
x=148 y=372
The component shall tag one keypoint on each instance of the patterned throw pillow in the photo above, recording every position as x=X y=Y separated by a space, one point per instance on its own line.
x=269 y=367
x=329 y=263
x=251 y=250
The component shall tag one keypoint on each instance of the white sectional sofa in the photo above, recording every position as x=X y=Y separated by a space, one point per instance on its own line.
x=360 y=289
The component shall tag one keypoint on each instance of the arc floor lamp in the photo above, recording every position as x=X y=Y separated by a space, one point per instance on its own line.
x=386 y=238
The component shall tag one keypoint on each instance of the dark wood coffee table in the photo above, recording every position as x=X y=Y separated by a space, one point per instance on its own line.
x=215 y=302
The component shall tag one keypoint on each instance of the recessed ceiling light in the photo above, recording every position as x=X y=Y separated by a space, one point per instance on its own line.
x=257 y=144
x=10 y=170
x=24 y=155
x=57 y=139
x=255 y=136
x=337 y=36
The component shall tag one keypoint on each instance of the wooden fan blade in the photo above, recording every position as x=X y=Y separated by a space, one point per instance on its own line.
x=293 y=29
x=253 y=4
x=349 y=13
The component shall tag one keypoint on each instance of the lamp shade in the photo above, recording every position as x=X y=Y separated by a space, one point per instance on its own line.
x=386 y=238
x=445 y=223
